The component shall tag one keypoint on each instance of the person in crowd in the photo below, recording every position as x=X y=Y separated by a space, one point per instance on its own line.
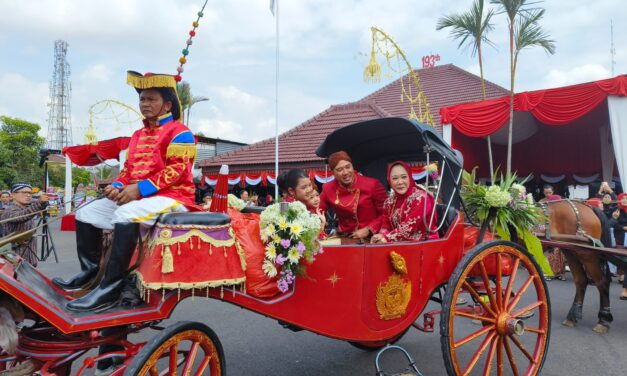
x=20 y=216
x=156 y=179
x=254 y=199
x=608 y=205
x=269 y=200
x=549 y=193
x=5 y=200
x=606 y=189
x=408 y=209
x=243 y=195
x=356 y=200
x=206 y=201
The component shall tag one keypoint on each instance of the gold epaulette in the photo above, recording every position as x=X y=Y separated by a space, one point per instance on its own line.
x=181 y=150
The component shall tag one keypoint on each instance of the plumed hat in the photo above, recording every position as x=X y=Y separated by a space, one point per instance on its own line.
x=164 y=83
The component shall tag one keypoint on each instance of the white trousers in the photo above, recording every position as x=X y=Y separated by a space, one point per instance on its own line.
x=105 y=213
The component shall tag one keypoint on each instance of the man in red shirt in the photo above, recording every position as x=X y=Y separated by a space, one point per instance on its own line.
x=156 y=179
x=356 y=200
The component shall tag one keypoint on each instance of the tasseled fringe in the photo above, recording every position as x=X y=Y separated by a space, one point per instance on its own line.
x=181 y=150
x=167 y=264
x=224 y=248
x=143 y=82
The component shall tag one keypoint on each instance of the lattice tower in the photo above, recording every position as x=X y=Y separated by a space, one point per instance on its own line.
x=59 y=120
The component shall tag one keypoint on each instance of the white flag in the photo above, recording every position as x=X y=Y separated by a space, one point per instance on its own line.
x=272 y=6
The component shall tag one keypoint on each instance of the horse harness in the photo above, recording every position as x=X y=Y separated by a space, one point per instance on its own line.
x=580 y=231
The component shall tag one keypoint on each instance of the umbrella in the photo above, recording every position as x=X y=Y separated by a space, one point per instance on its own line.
x=219 y=200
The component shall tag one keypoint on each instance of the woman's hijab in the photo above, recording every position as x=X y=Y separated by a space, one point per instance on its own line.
x=412 y=183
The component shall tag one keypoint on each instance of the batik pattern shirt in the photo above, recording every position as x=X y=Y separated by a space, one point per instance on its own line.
x=404 y=218
x=22 y=222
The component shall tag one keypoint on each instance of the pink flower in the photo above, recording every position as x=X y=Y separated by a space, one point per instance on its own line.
x=280 y=259
x=300 y=248
x=285 y=243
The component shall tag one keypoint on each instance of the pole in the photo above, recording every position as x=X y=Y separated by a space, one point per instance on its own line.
x=276 y=106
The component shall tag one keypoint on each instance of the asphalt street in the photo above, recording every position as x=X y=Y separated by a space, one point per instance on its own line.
x=256 y=345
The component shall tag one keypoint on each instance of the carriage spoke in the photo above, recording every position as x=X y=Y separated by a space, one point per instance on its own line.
x=510 y=282
x=528 y=308
x=203 y=365
x=174 y=354
x=520 y=293
x=534 y=330
x=476 y=296
x=475 y=317
x=499 y=282
x=191 y=357
x=473 y=362
x=473 y=336
x=499 y=356
x=522 y=348
x=488 y=363
x=488 y=288
x=510 y=356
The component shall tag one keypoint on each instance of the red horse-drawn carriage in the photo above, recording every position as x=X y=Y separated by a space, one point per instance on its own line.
x=366 y=294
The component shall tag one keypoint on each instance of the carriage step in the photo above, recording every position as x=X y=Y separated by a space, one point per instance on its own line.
x=410 y=370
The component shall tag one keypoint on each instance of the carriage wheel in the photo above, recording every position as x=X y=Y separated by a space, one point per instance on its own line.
x=507 y=329
x=185 y=348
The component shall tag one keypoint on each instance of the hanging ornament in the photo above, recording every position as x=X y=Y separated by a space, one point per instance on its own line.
x=188 y=43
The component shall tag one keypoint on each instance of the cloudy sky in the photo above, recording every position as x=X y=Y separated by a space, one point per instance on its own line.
x=323 y=49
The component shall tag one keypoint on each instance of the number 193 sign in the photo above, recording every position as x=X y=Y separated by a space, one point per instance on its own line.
x=428 y=61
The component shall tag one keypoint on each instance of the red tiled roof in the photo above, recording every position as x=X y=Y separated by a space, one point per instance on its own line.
x=443 y=86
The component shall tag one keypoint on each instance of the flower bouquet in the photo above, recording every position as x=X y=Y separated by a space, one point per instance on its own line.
x=505 y=207
x=290 y=235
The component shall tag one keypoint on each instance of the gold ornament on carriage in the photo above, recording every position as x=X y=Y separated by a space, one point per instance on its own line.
x=393 y=296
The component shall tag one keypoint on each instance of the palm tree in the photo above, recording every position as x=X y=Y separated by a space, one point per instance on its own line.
x=193 y=100
x=187 y=99
x=471 y=29
x=524 y=32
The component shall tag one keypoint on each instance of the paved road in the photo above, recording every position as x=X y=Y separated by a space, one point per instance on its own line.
x=256 y=345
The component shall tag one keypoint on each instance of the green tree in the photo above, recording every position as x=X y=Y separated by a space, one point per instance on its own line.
x=19 y=152
x=56 y=176
x=471 y=29
x=524 y=32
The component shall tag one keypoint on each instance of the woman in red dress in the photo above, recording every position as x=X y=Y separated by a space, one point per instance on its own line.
x=407 y=209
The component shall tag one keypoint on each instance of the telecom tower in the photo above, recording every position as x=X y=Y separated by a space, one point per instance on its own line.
x=59 y=124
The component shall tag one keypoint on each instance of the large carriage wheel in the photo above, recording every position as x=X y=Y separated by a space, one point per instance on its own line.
x=507 y=329
x=185 y=348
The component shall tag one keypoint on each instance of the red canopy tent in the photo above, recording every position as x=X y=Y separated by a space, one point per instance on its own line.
x=568 y=131
x=94 y=154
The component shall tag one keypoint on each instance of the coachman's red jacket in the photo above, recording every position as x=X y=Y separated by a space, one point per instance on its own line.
x=160 y=161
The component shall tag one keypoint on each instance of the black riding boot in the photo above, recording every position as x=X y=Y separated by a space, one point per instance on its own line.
x=107 y=294
x=89 y=249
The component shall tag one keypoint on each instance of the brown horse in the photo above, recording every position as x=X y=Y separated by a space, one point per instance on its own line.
x=578 y=223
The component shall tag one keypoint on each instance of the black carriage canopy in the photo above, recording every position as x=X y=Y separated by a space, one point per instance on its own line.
x=373 y=144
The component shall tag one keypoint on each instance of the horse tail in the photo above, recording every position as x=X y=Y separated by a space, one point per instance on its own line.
x=606 y=237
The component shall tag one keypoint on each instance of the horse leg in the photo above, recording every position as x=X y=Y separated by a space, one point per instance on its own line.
x=581 y=283
x=599 y=272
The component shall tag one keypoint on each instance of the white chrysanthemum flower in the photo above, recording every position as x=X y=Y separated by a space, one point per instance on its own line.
x=269 y=269
x=296 y=229
x=293 y=256
x=271 y=252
